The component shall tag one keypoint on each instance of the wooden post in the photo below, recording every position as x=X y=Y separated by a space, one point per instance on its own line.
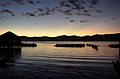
x=119 y=51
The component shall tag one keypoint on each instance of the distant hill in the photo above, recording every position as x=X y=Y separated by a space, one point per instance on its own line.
x=97 y=37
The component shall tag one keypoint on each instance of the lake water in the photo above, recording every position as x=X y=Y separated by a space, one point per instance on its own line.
x=49 y=62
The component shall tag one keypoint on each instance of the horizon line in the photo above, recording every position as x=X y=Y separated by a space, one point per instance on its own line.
x=69 y=35
x=64 y=34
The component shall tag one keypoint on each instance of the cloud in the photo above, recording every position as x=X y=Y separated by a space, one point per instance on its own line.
x=73 y=4
x=66 y=12
x=97 y=10
x=29 y=14
x=40 y=9
x=4 y=4
x=62 y=3
x=3 y=17
x=45 y=11
x=27 y=2
x=31 y=2
x=66 y=18
x=86 y=11
x=7 y=11
x=77 y=4
x=78 y=7
x=44 y=14
x=72 y=20
x=66 y=7
x=112 y=18
x=83 y=21
x=19 y=2
x=87 y=14
x=34 y=2
x=93 y=2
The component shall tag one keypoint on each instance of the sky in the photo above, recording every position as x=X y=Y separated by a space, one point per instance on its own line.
x=59 y=17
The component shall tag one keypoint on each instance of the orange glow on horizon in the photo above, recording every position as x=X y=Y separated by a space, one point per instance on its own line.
x=66 y=30
x=54 y=35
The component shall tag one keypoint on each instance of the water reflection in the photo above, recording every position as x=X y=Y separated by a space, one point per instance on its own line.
x=8 y=56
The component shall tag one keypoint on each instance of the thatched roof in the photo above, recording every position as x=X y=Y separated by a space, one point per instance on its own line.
x=9 y=35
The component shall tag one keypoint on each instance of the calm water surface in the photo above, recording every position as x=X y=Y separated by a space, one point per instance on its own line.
x=48 y=62
x=46 y=50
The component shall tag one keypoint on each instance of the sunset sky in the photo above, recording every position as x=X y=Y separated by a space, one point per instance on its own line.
x=59 y=17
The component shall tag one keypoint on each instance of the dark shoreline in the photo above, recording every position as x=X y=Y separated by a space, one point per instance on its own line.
x=97 y=37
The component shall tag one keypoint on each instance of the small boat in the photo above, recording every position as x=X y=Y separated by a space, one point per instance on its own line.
x=93 y=46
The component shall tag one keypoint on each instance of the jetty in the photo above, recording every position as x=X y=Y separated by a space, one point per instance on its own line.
x=10 y=39
x=8 y=56
x=116 y=64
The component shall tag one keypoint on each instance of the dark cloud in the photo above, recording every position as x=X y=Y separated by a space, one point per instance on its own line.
x=3 y=17
x=78 y=7
x=39 y=2
x=76 y=4
x=4 y=4
x=7 y=11
x=73 y=4
x=62 y=3
x=97 y=10
x=27 y=2
x=29 y=14
x=78 y=13
x=31 y=2
x=86 y=11
x=66 y=18
x=66 y=12
x=94 y=2
x=45 y=11
x=19 y=2
x=87 y=14
x=112 y=18
x=40 y=9
x=66 y=7
x=83 y=21
x=72 y=20
x=44 y=14
x=34 y=2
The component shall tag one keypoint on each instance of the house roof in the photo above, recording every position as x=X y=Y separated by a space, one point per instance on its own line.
x=9 y=34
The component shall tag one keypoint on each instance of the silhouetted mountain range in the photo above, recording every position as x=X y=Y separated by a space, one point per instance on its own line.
x=97 y=37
